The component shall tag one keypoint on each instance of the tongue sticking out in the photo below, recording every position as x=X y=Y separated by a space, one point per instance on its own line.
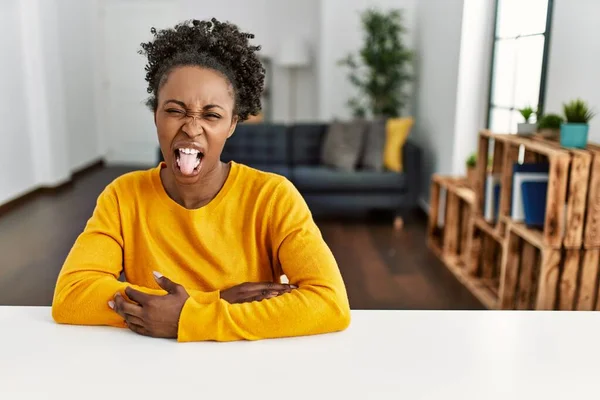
x=187 y=163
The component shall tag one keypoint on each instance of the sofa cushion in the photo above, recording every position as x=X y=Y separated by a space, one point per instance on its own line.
x=274 y=168
x=397 y=130
x=306 y=140
x=372 y=157
x=257 y=144
x=326 y=179
x=343 y=144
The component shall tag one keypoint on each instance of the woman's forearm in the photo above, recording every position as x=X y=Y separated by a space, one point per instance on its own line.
x=81 y=298
x=308 y=310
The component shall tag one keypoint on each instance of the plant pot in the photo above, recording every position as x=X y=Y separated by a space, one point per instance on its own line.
x=526 y=128
x=471 y=177
x=534 y=202
x=548 y=133
x=574 y=135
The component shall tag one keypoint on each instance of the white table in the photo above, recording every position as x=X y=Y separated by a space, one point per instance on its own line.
x=383 y=355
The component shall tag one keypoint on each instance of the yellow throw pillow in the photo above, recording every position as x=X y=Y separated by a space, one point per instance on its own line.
x=397 y=130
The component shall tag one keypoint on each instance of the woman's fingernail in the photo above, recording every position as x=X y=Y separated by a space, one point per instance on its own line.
x=157 y=274
x=294 y=286
x=111 y=304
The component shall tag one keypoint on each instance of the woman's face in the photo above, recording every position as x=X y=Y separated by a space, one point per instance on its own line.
x=193 y=119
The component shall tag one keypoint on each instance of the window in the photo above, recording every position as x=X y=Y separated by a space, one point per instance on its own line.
x=518 y=61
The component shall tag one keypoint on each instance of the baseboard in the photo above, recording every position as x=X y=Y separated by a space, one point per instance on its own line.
x=44 y=190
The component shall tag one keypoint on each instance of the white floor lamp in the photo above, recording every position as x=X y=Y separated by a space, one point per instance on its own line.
x=293 y=54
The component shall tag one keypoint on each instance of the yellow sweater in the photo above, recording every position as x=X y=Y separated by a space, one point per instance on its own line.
x=257 y=228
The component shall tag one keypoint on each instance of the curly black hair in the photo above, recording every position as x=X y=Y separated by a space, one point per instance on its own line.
x=220 y=46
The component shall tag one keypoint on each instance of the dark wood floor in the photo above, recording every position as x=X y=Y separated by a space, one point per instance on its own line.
x=382 y=269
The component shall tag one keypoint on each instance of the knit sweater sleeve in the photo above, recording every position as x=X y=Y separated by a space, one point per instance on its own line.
x=89 y=276
x=319 y=305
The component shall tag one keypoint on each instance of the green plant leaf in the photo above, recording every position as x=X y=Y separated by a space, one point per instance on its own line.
x=577 y=111
x=472 y=160
x=550 y=121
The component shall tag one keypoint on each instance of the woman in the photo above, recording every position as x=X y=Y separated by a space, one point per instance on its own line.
x=202 y=243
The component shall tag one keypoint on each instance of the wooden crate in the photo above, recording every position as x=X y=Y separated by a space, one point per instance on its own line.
x=483 y=260
x=558 y=229
x=450 y=238
x=583 y=209
x=535 y=276
x=483 y=250
x=591 y=236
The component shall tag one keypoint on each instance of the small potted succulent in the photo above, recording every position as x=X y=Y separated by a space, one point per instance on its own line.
x=574 y=132
x=527 y=127
x=549 y=125
x=471 y=174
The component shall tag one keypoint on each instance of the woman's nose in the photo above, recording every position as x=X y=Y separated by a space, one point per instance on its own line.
x=193 y=127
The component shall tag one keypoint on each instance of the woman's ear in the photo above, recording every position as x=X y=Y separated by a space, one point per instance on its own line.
x=234 y=122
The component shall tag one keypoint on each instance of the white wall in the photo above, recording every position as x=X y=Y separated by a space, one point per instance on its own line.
x=473 y=76
x=49 y=126
x=574 y=58
x=342 y=33
x=76 y=24
x=437 y=40
x=17 y=171
x=129 y=133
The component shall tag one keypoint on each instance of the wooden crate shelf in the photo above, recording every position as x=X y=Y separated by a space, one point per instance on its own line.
x=570 y=173
x=506 y=264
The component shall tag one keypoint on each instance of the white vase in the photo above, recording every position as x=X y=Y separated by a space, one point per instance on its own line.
x=526 y=128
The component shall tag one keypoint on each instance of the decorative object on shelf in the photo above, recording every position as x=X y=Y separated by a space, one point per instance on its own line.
x=492 y=197
x=380 y=70
x=294 y=54
x=527 y=127
x=574 y=133
x=471 y=163
x=549 y=125
x=534 y=202
x=524 y=173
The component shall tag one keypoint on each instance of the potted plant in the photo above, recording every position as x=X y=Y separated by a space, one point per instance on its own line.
x=381 y=69
x=527 y=127
x=471 y=174
x=574 y=132
x=549 y=125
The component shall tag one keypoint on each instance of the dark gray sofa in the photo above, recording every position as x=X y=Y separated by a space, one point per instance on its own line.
x=294 y=151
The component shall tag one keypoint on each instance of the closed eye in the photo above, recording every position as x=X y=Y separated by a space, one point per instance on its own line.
x=174 y=111
x=213 y=115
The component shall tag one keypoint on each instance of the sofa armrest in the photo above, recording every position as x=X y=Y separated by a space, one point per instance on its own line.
x=412 y=166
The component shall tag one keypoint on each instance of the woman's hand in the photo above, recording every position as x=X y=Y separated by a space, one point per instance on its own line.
x=156 y=316
x=255 y=291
